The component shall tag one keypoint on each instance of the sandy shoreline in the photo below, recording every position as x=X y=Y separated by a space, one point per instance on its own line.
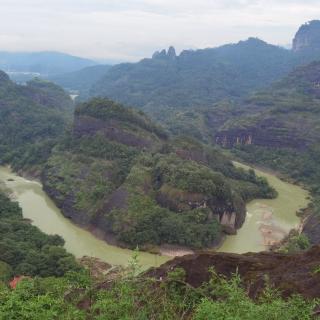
x=174 y=251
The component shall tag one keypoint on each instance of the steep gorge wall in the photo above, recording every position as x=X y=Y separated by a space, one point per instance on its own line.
x=266 y=133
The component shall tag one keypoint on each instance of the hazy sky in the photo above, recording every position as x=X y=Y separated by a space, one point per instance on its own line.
x=132 y=29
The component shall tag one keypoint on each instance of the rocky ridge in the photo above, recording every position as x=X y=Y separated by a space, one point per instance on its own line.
x=289 y=273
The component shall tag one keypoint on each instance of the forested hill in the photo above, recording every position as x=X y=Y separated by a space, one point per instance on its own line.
x=119 y=172
x=195 y=78
x=25 y=250
x=279 y=128
x=286 y=115
x=81 y=80
x=200 y=78
x=31 y=119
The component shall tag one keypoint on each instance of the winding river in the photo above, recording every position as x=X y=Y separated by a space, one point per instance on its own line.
x=267 y=221
x=38 y=207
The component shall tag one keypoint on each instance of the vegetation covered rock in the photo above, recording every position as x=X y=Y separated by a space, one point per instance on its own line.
x=120 y=172
x=33 y=117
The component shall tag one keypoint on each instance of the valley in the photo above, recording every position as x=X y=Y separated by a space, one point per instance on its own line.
x=268 y=221
x=43 y=213
x=184 y=185
x=274 y=214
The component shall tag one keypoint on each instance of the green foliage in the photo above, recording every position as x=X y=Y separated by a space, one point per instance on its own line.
x=137 y=297
x=236 y=305
x=105 y=109
x=84 y=180
x=50 y=94
x=284 y=124
x=9 y=209
x=156 y=225
x=171 y=200
x=295 y=243
x=38 y=299
x=25 y=250
x=5 y=272
x=189 y=176
x=32 y=117
x=316 y=270
x=195 y=78
x=171 y=191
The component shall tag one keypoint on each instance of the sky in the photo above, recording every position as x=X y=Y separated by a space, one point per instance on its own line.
x=128 y=30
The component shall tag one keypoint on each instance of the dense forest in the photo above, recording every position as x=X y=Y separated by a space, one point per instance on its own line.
x=279 y=128
x=25 y=250
x=32 y=118
x=76 y=296
x=146 y=185
x=119 y=171
x=56 y=287
x=199 y=78
x=194 y=78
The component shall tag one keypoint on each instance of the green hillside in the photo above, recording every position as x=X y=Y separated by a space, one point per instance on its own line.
x=81 y=80
x=280 y=128
x=32 y=117
x=194 y=78
x=117 y=170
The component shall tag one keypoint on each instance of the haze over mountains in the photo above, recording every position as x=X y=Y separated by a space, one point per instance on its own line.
x=204 y=94
x=23 y=66
x=155 y=169
x=193 y=78
x=202 y=77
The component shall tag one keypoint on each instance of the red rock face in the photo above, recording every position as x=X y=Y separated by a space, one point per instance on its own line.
x=268 y=132
x=290 y=273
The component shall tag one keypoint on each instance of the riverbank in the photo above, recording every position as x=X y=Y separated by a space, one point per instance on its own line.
x=268 y=221
x=39 y=208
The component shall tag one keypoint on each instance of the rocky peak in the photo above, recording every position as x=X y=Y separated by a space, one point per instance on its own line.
x=172 y=53
x=163 y=54
x=307 y=37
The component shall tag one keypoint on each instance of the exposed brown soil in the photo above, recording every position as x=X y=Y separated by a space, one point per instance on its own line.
x=290 y=273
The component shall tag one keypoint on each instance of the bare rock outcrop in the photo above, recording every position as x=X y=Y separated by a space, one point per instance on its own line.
x=290 y=273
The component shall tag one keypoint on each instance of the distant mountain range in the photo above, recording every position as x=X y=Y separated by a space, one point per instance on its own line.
x=81 y=80
x=22 y=66
x=203 y=77
x=195 y=78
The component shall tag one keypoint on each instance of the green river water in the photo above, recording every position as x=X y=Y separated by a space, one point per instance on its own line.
x=277 y=215
x=38 y=207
